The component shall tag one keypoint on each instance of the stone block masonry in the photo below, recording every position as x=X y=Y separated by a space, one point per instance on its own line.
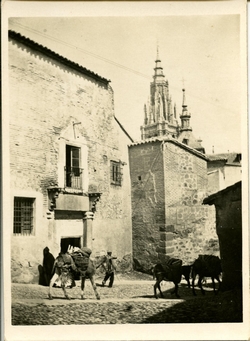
x=186 y=186
x=168 y=185
x=148 y=209
x=46 y=98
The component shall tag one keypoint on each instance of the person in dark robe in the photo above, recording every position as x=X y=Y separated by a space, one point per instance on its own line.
x=48 y=262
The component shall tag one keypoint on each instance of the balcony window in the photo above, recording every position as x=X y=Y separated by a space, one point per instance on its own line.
x=23 y=216
x=115 y=173
x=73 y=172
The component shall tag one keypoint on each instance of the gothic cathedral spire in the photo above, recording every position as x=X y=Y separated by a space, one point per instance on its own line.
x=160 y=118
x=160 y=115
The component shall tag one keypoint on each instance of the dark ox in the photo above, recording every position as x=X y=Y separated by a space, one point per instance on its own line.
x=171 y=272
x=206 y=266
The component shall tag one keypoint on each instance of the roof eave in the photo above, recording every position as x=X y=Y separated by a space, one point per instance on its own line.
x=167 y=139
x=46 y=51
x=211 y=198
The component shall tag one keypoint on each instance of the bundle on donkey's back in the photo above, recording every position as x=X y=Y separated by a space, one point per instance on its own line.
x=86 y=268
x=77 y=260
x=170 y=271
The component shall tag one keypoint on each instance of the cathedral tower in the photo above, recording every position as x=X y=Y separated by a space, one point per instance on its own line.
x=159 y=112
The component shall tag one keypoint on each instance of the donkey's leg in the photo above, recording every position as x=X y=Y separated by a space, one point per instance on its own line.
x=200 y=284
x=65 y=292
x=213 y=283
x=82 y=285
x=92 y=280
x=218 y=279
x=188 y=281
x=52 y=282
x=175 y=290
x=193 y=280
x=159 y=287
x=155 y=287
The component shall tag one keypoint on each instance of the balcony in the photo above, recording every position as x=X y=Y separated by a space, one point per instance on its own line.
x=73 y=177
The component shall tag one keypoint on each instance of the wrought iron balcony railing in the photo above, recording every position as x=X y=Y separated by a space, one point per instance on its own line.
x=73 y=177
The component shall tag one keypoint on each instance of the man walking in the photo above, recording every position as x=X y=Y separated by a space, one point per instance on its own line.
x=110 y=267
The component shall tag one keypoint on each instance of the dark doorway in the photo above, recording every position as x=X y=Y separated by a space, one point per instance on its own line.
x=65 y=242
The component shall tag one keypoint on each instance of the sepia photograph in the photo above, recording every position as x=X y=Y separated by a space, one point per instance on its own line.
x=125 y=171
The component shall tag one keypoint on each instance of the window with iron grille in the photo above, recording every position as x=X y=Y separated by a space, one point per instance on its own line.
x=73 y=172
x=116 y=173
x=23 y=216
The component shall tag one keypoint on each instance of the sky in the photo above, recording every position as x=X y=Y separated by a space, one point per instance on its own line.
x=201 y=53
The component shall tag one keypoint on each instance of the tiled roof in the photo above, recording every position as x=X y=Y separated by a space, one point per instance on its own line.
x=35 y=46
x=229 y=158
x=170 y=140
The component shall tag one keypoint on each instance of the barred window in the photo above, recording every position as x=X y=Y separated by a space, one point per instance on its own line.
x=23 y=216
x=116 y=173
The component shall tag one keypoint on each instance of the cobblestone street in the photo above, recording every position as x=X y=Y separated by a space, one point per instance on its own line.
x=130 y=301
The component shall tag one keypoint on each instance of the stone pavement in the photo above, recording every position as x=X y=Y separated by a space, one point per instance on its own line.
x=128 y=302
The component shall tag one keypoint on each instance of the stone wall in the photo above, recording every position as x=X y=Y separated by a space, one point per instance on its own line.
x=169 y=183
x=148 y=208
x=186 y=186
x=46 y=98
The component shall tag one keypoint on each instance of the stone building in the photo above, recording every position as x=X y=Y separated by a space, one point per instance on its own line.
x=69 y=169
x=228 y=205
x=169 y=181
x=224 y=170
